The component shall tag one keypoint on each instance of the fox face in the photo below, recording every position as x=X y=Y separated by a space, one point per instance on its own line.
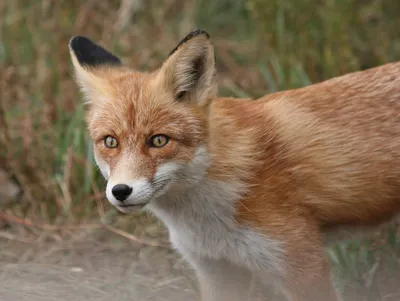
x=149 y=130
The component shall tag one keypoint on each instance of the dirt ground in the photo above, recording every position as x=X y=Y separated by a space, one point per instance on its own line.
x=104 y=266
x=99 y=268
x=94 y=269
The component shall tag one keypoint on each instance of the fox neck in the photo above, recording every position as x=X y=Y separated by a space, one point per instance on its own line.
x=199 y=192
x=207 y=199
x=235 y=139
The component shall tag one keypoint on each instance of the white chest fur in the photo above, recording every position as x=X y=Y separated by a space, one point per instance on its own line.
x=201 y=223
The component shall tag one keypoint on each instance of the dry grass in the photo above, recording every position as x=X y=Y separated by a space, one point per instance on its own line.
x=260 y=47
x=46 y=148
x=328 y=38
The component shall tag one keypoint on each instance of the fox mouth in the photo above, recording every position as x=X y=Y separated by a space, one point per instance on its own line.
x=133 y=205
x=130 y=207
x=139 y=198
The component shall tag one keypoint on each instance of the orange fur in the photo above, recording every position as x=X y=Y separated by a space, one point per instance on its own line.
x=312 y=160
x=334 y=148
x=134 y=113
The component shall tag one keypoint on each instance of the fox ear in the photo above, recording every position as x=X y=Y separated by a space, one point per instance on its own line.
x=87 y=57
x=189 y=71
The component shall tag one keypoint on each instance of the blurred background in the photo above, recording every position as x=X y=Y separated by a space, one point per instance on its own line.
x=51 y=193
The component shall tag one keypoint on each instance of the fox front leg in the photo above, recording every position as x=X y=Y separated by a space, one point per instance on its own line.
x=307 y=273
x=221 y=280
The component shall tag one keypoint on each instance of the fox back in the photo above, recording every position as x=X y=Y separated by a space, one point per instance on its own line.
x=245 y=187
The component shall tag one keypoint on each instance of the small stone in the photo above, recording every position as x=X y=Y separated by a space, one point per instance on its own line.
x=76 y=269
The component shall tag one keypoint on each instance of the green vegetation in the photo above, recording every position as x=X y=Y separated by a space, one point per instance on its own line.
x=261 y=46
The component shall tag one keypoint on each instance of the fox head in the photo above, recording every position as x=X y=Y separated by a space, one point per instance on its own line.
x=149 y=129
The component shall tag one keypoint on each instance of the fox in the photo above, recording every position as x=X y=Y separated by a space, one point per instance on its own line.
x=247 y=188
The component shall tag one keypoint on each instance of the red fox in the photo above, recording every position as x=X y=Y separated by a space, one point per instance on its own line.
x=247 y=188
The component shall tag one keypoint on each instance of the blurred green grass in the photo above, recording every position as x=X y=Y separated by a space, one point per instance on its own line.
x=45 y=146
x=261 y=46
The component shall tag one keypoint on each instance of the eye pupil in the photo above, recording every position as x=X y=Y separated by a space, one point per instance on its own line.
x=159 y=140
x=110 y=142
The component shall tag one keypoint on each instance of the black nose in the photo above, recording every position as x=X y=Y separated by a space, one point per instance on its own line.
x=121 y=192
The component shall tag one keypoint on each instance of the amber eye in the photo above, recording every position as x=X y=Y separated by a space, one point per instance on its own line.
x=159 y=140
x=110 y=142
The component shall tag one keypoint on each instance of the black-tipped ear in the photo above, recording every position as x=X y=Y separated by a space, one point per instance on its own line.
x=90 y=54
x=191 y=35
x=189 y=71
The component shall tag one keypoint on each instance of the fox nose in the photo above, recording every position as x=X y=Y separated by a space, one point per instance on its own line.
x=121 y=192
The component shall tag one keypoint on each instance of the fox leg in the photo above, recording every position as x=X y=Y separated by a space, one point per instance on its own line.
x=221 y=280
x=313 y=284
x=307 y=272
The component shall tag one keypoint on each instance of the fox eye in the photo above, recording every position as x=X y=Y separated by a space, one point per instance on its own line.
x=158 y=140
x=110 y=142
